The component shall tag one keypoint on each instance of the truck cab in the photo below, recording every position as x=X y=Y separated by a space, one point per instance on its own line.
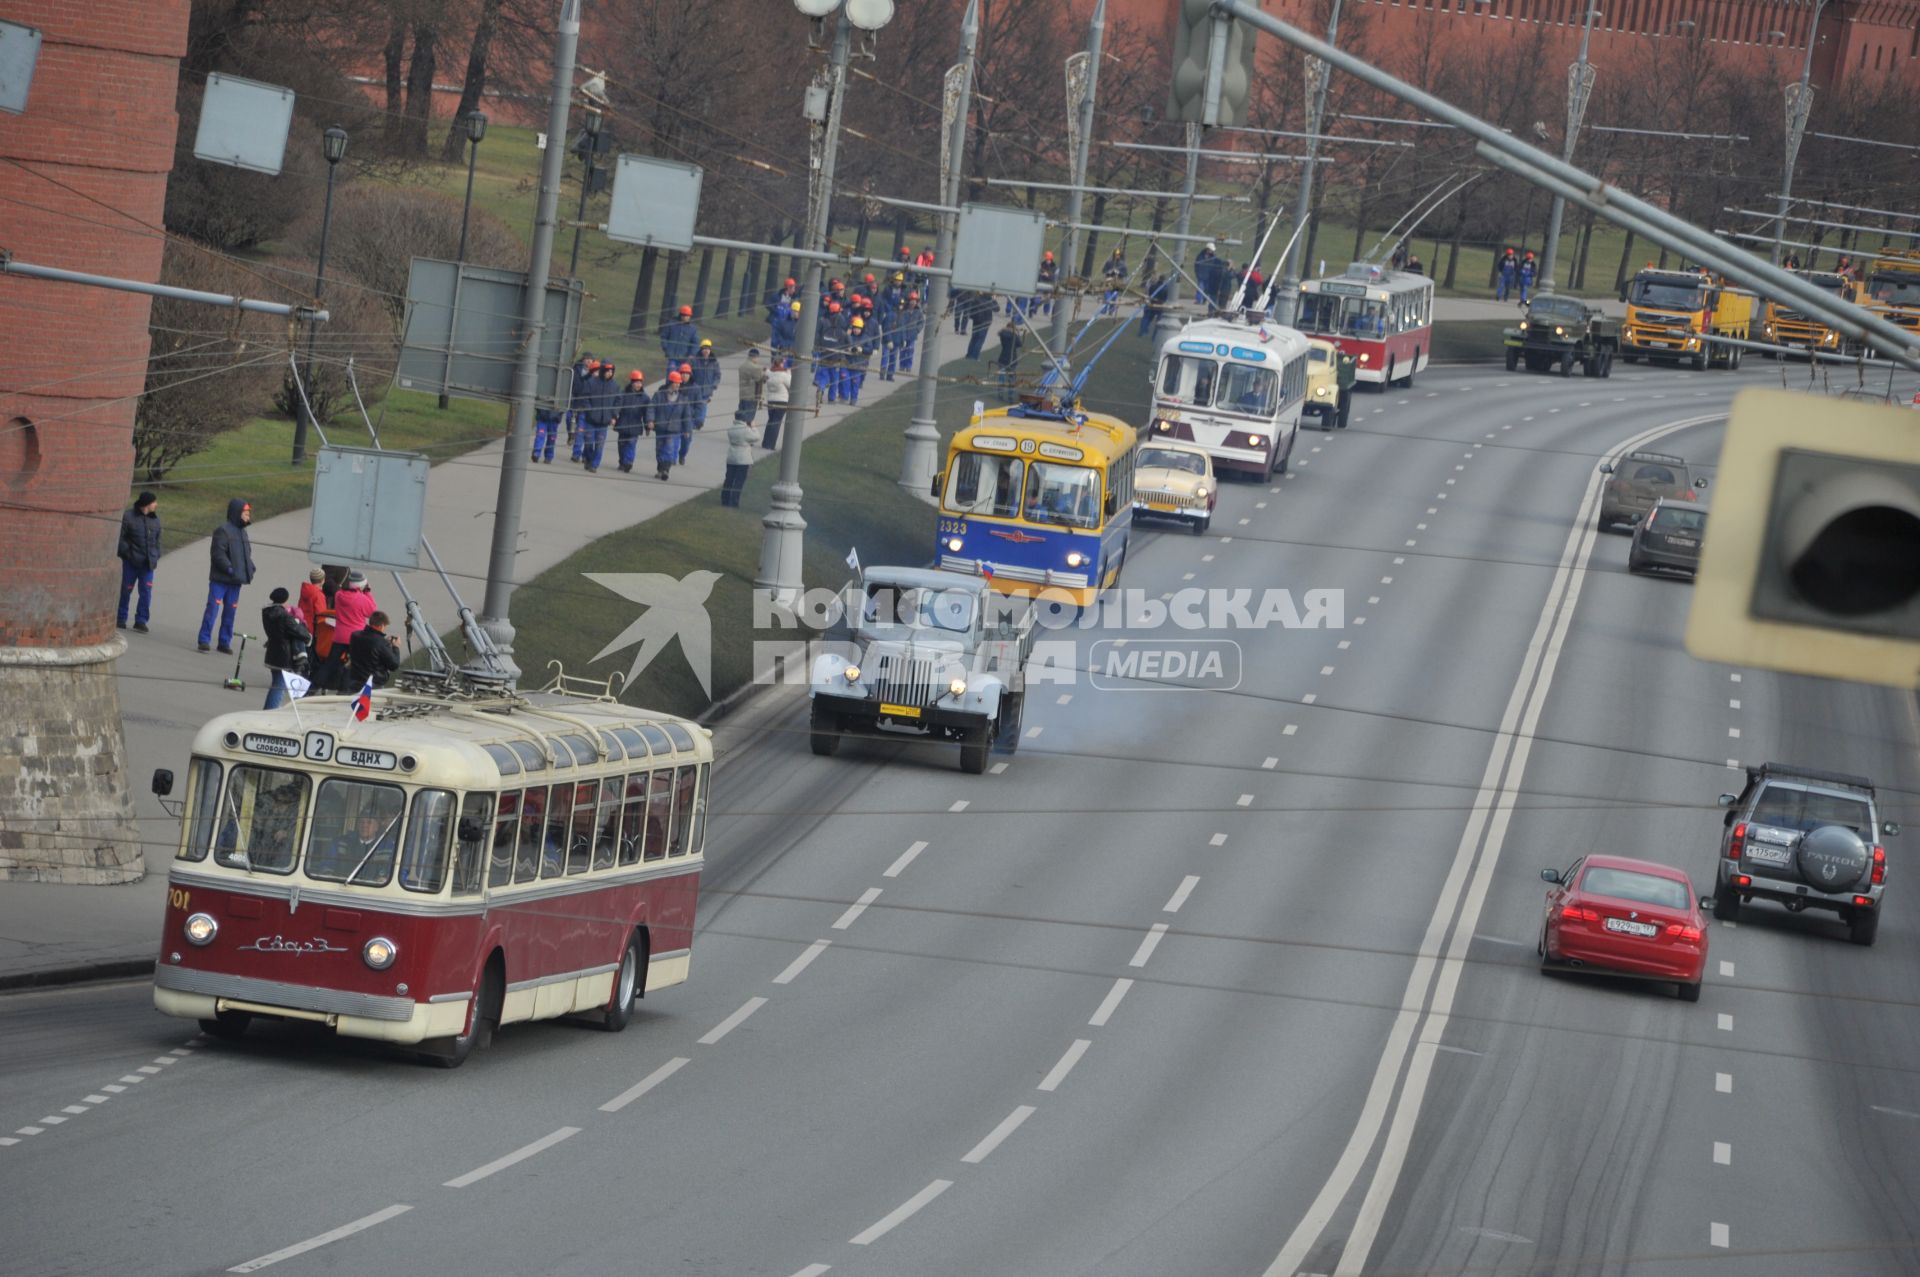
x=1782 y=325
x=1675 y=314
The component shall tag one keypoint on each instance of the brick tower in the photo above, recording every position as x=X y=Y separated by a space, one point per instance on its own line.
x=83 y=188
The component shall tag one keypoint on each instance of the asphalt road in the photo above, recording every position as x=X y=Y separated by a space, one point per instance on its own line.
x=1220 y=979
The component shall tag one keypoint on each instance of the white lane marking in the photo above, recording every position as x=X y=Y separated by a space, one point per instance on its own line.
x=1289 y=729
x=8 y=1141
x=1270 y=764
x=1245 y=522
x=1359 y=620
x=1734 y=677
x=148 y=1069
x=855 y=909
x=1058 y=1073
x=181 y=1050
x=76 y=1109
x=1206 y=558
x=900 y=1214
x=959 y=805
x=133 y=1077
x=1733 y=764
x=1411 y=542
x=314 y=1243
x=1066 y=698
x=1386 y=580
x=1180 y=894
x=94 y=1099
x=802 y=962
x=1325 y=670
x=646 y=1084
x=52 y=1119
x=1148 y=943
x=1345 y=644
x=1725 y=1022
x=1373 y=598
x=1893 y=1112
x=1186 y=576
x=1244 y=800
x=1726 y=969
x=732 y=1022
x=1722 y=1153
x=1112 y=1000
x=31 y=1130
x=1259 y=505
x=1035 y=730
x=1419 y=527
x=1399 y=561
x=518 y=1155
x=906 y=858
x=1717 y=1233
x=1309 y=698
x=1229 y=540
x=814 y=1270
x=996 y=769
x=1734 y=733
x=113 y=1089
x=1459 y=467
x=1452 y=482
x=978 y=1153
x=1460 y=1050
x=1733 y=704
x=1433 y=509
x=1218 y=840
x=1464 y=891
x=1723 y=1083
x=164 y=1060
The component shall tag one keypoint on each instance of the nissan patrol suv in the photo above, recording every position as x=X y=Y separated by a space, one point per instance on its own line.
x=1805 y=839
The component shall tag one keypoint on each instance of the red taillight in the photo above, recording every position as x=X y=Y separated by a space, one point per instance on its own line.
x=1742 y=881
x=1683 y=931
x=1574 y=913
x=1688 y=494
x=1738 y=842
x=1879 y=865
x=1865 y=901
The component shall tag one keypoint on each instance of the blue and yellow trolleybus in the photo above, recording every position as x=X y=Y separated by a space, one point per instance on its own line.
x=1038 y=498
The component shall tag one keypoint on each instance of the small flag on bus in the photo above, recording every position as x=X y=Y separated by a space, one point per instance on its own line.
x=363 y=703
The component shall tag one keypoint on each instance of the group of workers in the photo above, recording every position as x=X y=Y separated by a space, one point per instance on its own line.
x=600 y=402
x=853 y=326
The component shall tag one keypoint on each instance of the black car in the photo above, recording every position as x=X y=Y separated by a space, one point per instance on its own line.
x=1805 y=839
x=1668 y=539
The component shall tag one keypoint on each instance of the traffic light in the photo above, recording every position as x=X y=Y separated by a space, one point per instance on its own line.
x=1192 y=49
x=1812 y=556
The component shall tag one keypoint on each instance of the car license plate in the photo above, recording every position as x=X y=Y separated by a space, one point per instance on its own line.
x=1768 y=853
x=1166 y=507
x=1632 y=928
x=1684 y=542
x=899 y=711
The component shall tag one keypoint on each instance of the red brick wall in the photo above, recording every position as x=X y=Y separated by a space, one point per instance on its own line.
x=97 y=144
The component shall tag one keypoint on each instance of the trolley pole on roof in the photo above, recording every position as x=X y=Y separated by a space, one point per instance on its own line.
x=1286 y=299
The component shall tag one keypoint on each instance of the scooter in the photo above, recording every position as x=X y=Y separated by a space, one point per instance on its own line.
x=236 y=683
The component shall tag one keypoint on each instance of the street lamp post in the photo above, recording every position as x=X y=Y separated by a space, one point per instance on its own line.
x=593 y=123
x=1579 y=88
x=1286 y=298
x=333 y=145
x=782 y=543
x=475 y=124
x=1799 y=107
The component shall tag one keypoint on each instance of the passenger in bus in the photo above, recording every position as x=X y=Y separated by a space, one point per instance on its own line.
x=1203 y=385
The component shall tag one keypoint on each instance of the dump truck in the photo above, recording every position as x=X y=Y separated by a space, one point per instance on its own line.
x=1782 y=325
x=1675 y=315
x=1892 y=287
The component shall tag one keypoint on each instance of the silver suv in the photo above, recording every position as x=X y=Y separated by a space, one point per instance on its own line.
x=1805 y=839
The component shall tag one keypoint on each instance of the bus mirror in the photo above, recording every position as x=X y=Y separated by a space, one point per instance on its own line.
x=939 y=481
x=162 y=781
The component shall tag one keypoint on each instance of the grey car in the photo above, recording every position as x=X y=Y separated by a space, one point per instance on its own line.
x=1641 y=479
x=1805 y=839
x=1668 y=539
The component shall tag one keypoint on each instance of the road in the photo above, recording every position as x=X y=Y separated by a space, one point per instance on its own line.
x=1211 y=980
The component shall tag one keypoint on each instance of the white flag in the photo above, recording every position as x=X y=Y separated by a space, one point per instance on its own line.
x=853 y=560
x=296 y=686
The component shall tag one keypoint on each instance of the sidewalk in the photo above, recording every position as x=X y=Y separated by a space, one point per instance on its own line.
x=1447 y=309
x=51 y=934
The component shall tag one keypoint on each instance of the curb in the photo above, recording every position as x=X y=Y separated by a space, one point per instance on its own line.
x=79 y=973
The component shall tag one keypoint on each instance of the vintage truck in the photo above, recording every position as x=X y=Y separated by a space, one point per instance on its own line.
x=919 y=651
x=1559 y=332
x=1330 y=377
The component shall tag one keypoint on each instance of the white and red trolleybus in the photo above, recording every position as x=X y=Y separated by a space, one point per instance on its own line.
x=440 y=869
x=1383 y=318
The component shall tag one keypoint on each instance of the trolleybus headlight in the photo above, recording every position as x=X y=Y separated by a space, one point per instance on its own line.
x=853 y=673
x=954 y=544
x=379 y=953
x=1363 y=356
x=1076 y=559
x=958 y=687
x=1256 y=441
x=201 y=928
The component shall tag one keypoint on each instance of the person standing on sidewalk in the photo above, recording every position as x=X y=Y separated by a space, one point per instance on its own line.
x=632 y=420
x=603 y=407
x=352 y=607
x=668 y=415
x=373 y=653
x=739 y=458
x=680 y=339
x=232 y=567
x=1009 y=358
x=911 y=319
x=706 y=380
x=139 y=555
x=779 y=391
x=752 y=381
x=287 y=643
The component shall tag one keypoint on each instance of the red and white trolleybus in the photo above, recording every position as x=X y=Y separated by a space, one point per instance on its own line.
x=1383 y=318
x=438 y=870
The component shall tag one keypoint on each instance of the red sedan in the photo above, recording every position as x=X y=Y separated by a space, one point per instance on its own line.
x=1611 y=913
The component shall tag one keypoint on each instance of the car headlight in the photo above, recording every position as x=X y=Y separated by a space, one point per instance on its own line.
x=1256 y=441
x=1164 y=427
x=954 y=544
x=852 y=673
x=379 y=953
x=1523 y=325
x=201 y=928
x=958 y=687
x=1558 y=331
x=1321 y=392
x=1076 y=559
x=1200 y=492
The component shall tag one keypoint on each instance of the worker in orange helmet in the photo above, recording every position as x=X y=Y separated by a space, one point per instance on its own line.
x=1049 y=276
x=667 y=415
x=681 y=338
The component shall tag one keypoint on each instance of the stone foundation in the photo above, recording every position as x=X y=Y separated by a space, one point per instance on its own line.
x=66 y=809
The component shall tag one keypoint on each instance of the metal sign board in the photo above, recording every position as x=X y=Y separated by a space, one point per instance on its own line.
x=368 y=507
x=244 y=123
x=998 y=249
x=19 y=50
x=462 y=336
x=655 y=202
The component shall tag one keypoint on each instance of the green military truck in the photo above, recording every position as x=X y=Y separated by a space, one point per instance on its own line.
x=1559 y=332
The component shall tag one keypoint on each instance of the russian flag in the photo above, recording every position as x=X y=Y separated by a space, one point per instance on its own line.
x=363 y=702
x=986 y=569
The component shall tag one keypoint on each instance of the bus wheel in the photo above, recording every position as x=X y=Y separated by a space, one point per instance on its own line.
x=1391 y=379
x=974 y=745
x=228 y=1026
x=626 y=986
x=483 y=1017
x=1412 y=369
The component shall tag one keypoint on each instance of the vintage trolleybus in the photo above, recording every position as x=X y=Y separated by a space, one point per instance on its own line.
x=440 y=869
x=1235 y=390
x=1383 y=318
x=1039 y=498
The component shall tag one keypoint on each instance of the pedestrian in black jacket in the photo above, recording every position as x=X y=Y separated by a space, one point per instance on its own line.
x=287 y=642
x=373 y=653
x=139 y=556
x=232 y=567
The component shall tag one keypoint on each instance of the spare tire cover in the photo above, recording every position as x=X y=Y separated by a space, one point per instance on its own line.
x=1832 y=858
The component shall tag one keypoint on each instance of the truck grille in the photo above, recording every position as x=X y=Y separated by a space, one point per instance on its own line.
x=906 y=680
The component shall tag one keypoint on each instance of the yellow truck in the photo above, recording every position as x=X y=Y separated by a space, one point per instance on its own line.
x=1785 y=326
x=1672 y=314
x=1892 y=287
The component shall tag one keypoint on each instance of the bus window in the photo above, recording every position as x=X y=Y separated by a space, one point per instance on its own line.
x=580 y=836
x=700 y=814
x=203 y=804
x=506 y=824
x=659 y=813
x=1187 y=378
x=259 y=820
x=606 y=838
x=981 y=483
x=469 y=857
x=1244 y=388
x=553 y=852
x=1066 y=495
x=423 y=859
x=356 y=831
x=682 y=811
x=633 y=826
x=533 y=834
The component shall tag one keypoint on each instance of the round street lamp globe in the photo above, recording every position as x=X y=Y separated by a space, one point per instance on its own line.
x=869 y=15
x=816 y=8
x=476 y=122
x=333 y=144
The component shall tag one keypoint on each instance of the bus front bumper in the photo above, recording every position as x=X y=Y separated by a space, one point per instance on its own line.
x=200 y=995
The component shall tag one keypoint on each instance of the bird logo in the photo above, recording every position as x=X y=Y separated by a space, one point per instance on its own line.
x=674 y=609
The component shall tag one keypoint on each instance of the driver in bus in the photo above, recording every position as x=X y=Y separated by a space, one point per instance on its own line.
x=370 y=840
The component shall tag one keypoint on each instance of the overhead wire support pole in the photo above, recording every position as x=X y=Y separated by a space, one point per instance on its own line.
x=1287 y=299
x=10 y=265
x=1169 y=322
x=1579 y=88
x=1114 y=190
x=501 y=561
x=1799 y=107
x=1608 y=201
x=1082 y=143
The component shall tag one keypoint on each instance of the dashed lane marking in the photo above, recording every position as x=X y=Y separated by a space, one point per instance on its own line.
x=857 y=908
x=906 y=858
x=518 y=1155
x=1724 y=1023
x=648 y=1082
x=1718 y=1234
x=1723 y=1083
x=314 y=1243
x=732 y=1022
x=802 y=962
x=1180 y=894
x=901 y=1213
x=1722 y=1153
x=1058 y=1073
x=1289 y=729
x=998 y=1135
x=1270 y=763
x=1148 y=943
x=1109 y=1003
